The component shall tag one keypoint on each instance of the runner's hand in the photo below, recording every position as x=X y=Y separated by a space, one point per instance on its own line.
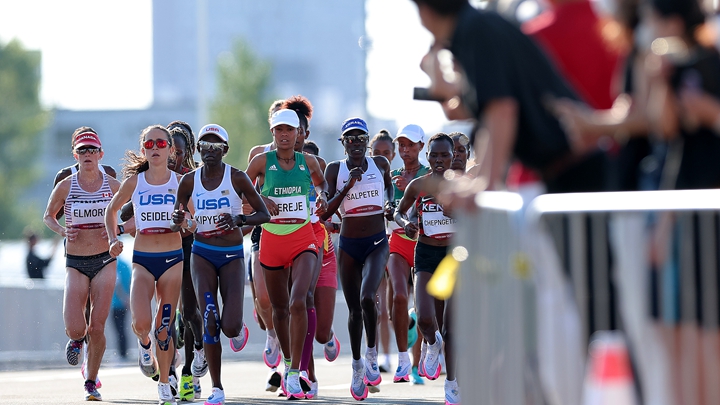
x=320 y=206
x=355 y=176
x=71 y=233
x=225 y=222
x=116 y=248
x=411 y=230
x=271 y=206
x=178 y=215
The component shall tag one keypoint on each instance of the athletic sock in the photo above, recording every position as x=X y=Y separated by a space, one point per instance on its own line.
x=357 y=364
x=403 y=357
x=271 y=333
x=371 y=351
x=309 y=337
x=198 y=345
x=147 y=346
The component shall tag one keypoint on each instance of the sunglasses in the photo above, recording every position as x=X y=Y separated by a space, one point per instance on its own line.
x=91 y=151
x=205 y=146
x=150 y=143
x=351 y=139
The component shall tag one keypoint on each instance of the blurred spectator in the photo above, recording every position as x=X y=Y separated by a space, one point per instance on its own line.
x=121 y=303
x=571 y=34
x=503 y=80
x=36 y=265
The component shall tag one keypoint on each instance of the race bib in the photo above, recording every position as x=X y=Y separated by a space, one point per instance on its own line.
x=207 y=221
x=293 y=210
x=437 y=225
x=88 y=215
x=363 y=198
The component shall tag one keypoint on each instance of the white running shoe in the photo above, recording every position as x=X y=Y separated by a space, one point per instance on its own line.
x=199 y=364
x=197 y=388
x=217 y=397
x=358 y=388
x=452 y=393
x=147 y=362
x=274 y=380
x=165 y=394
x=238 y=342
x=431 y=365
x=272 y=355
x=312 y=394
x=423 y=352
x=332 y=348
x=293 y=389
x=443 y=366
x=372 y=372
x=174 y=389
x=402 y=374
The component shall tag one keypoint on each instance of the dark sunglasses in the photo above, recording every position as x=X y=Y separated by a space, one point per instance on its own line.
x=205 y=146
x=351 y=139
x=91 y=151
x=150 y=143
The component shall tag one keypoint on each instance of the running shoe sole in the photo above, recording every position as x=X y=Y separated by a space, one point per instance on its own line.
x=336 y=343
x=361 y=397
x=72 y=352
x=274 y=382
x=272 y=363
x=246 y=334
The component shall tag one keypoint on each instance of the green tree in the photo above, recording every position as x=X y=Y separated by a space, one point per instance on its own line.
x=242 y=100
x=22 y=120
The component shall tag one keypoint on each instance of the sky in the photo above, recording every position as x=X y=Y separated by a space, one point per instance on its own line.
x=97 y=55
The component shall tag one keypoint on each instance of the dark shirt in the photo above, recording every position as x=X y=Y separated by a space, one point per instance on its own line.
x=501 y=62
x=700 y=166
x=35 y=265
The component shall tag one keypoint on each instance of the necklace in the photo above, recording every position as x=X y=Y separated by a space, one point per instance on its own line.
x=413 y=170
x=287 y=160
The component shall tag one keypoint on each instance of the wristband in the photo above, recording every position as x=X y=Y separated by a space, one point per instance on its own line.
x=243 y=219
x=121 y=229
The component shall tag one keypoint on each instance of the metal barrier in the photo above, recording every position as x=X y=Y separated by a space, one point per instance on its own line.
x=536 y=286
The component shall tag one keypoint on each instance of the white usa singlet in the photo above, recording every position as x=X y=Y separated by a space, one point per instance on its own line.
x=366 y=196
x=210 y=204
x=154 y=205
x=85 y=209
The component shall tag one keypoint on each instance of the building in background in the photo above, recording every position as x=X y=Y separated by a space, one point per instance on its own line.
x=315 y=48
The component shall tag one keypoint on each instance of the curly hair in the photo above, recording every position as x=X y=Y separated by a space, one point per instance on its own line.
x=178 y=130
x=276 y=105
x=302 y=106
x=136 y=163
x=189 y=135
x=383 y=135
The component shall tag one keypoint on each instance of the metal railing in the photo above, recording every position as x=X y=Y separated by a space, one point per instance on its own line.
x=537 y=284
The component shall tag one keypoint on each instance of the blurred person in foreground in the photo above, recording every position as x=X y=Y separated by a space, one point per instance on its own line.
x=484 y=68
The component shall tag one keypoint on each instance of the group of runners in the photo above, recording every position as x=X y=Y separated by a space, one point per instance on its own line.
x=189 y=218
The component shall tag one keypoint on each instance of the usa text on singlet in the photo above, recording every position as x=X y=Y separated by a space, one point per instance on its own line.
x=432 y=219
x=85 y=209
x=210 y=204
x=153 y=205
x=367 y=194
x=289 y=190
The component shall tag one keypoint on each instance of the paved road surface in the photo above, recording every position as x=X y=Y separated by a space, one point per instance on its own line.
x=244 y=382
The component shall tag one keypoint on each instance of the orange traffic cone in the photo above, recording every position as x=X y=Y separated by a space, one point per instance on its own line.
x=609 y=379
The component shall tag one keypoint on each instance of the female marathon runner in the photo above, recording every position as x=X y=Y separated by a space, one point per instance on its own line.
x=90 y=270
x=263 y=308
x=324 y=281
x=217 y=257
x=73 y=348
x=195 y=364
x=288 y=239
x=402 y=250
x=157 y=256
x=360 y=186
x=435 y=229
x=382 y=145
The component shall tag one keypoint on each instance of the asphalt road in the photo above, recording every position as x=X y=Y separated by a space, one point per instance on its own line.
x=244 y=383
